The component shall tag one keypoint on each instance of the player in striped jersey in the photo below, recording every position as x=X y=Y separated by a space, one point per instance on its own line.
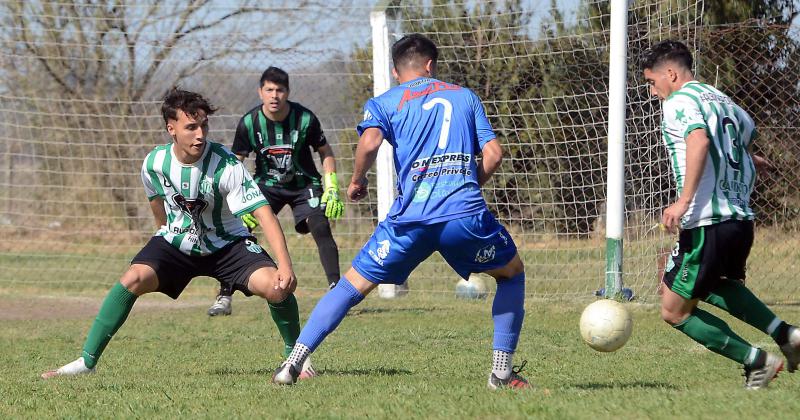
x=197 y=191
x=282 y=135
x=708 y=139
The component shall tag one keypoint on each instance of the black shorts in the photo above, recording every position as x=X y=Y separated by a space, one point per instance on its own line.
x=704 y=255
x=304 y=202
x=231 y=265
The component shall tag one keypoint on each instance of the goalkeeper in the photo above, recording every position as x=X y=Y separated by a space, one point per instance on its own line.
x=282 y=134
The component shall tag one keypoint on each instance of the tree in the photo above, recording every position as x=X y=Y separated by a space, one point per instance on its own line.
x=85 y=76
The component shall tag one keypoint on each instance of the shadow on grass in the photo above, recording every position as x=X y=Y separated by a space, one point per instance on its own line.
x=379 y=371
x=623 y=385
x=369 y=311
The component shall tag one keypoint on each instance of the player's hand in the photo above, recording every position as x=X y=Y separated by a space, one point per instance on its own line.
x=334 y=207
x=249 y=221
x=285 y=279
x=357 y=189
x=762 y=164
x=671 y=218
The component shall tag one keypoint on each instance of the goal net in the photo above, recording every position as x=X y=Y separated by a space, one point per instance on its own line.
x=80 y=89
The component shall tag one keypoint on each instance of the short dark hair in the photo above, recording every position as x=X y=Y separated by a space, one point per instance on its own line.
x=411 y=49
x=275 y=75
x=668 y=50
x=190 y=103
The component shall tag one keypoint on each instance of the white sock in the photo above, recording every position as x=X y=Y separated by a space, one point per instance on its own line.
x=501 y=364
x=299 y=354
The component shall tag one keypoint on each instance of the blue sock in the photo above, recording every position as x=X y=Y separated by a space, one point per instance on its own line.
x=508 y=311
x=328 y=313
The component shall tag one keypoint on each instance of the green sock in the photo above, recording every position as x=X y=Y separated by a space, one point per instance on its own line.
x=717 y=336
x=287 y=318
x=739 y=301
x=113 y=312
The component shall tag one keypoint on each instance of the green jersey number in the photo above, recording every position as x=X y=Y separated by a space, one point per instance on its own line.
x=732 y=142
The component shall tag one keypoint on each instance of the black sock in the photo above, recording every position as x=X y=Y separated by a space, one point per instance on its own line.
x=782 y=334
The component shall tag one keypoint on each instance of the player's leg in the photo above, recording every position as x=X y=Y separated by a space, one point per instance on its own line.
x=156 y=258
x=328 y=251
x=508 y=312
x=692 y=273
x=734 y=297
x=325 y=317
x=114 y=310
x=223 y=304
x=282 y=305
x=389 y=256
x=245 y=266
x=479 y=243
x=310 y=217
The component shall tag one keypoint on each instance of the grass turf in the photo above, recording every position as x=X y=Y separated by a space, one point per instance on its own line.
x=420 y=356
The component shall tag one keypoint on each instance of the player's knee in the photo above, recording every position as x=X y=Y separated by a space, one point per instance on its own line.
x=276 y=295
x=319 y=226
x=139 y=280
x=514 y=268
x=672 y=317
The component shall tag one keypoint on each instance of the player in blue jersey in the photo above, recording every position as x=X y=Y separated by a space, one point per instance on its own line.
x=437 y=129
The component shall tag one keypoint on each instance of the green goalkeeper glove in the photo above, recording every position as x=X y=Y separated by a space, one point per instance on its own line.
x=249 y=221
x=334 y=207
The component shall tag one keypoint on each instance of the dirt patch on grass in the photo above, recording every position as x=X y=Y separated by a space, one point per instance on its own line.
x=72 y=307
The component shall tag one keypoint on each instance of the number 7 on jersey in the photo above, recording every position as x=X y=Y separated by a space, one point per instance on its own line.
x=448 y=112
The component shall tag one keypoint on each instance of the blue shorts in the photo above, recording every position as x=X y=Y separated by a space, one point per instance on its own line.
x=470 y=244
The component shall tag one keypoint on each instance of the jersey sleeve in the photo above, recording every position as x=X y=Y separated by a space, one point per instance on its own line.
x=315 y=137
x=682 y=115
x=482 y=125
x=239 y=189
x=241 y=140
x=147 y=180
x=374 y=117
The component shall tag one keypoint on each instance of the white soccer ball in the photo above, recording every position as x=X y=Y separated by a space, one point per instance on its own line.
x=606 y=325
x=475 y=288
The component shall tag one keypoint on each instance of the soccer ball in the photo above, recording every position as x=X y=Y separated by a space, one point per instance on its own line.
x=475 y=288
x=606 y=325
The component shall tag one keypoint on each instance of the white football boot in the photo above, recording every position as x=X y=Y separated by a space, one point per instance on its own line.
x=221 y=306
x=77 y=367
x=761 y=377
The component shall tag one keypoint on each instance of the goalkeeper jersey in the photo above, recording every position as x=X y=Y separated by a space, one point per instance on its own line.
x=203 y=200
x=283 y=149
x=729 y=174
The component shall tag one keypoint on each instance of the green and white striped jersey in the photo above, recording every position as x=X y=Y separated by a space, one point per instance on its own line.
x=203 y=200
x=729 y=174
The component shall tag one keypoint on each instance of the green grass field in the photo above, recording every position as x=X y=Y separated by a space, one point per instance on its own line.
x=422 y=356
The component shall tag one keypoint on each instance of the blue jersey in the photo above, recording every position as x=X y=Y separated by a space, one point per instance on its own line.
x=436 y=129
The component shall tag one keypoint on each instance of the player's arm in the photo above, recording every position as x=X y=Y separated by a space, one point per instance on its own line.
x=241 y=146
x=492 y=158
x=366 y=153
x=328 y=159
x=159 y=214
x=697 y=145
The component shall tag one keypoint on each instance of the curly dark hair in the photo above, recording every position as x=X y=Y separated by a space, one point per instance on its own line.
x=190 y=103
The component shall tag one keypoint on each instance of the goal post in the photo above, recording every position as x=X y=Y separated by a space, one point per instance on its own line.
x=615 y=185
